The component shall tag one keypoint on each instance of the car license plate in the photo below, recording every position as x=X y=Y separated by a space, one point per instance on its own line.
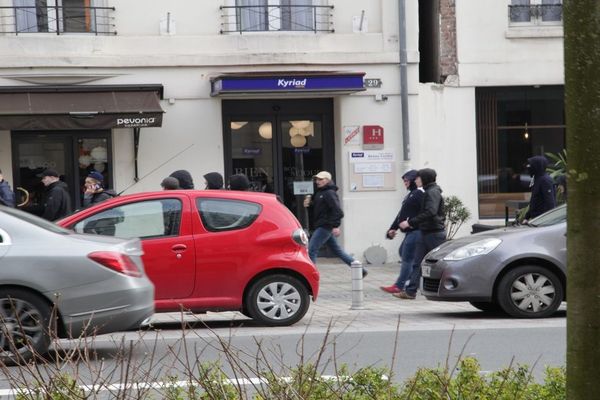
x=426 y=271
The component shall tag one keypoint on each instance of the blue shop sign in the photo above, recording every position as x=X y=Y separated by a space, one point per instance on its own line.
x=250 y=84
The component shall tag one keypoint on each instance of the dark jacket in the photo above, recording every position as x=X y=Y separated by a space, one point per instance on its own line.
x=57 y=203
x=542 y=188
x=98 y=197
x=431 y=216
x=7 y=196
x=410 y=208
x=214 y=180
x=327 y=212
x=184 y=178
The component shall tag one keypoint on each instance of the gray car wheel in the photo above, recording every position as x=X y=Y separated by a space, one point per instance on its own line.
x=530 y=292
x=24 y=326
x=277 y=300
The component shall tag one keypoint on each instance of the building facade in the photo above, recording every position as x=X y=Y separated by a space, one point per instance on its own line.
x=280 y=89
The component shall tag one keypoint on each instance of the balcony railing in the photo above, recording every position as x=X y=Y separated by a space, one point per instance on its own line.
x=535 y=13
x=264 y=18
x=57 y=20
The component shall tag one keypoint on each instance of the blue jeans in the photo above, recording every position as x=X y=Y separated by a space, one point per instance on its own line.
x=323 y=236
x=407 y=255
x=428 y=242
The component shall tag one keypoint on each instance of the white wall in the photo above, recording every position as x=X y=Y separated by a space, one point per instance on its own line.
x=492 y=53
x=447 y=142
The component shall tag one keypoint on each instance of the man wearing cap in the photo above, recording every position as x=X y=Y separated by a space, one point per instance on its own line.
x=327 y=217
x=57 y=202
x=94 y=190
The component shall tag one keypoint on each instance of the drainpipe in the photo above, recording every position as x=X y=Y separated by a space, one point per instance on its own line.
x=403 y=78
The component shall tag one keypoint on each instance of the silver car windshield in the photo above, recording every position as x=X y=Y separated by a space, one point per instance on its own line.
x=552 y=217
x=37 y=221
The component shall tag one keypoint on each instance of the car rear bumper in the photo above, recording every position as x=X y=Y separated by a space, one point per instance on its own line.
x=130 y=302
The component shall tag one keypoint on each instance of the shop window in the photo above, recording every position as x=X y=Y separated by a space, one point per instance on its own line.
x=513 y=124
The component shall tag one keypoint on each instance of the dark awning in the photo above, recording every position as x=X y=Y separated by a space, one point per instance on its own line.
x=308 y=82
x=80 y=107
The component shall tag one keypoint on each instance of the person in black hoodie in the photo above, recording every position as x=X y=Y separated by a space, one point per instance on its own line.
x=327 y=218
x=184 y=178
x=430 y=221
x=213 y=180
x=7 y=196
x=239 y=182
x=94 y=190
x=57 y=202
x=410 y=208
x=542 y=188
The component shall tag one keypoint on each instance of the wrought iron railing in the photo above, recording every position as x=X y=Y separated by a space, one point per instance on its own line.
x=57 y=20
x=261 y=18
x=535 y=13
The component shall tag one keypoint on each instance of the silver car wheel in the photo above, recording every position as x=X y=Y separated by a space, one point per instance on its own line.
x=533 y=292
x=278 y=300
x=22 y=327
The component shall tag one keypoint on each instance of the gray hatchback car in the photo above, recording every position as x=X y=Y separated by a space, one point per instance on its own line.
x=519 y=270
x=58 y=284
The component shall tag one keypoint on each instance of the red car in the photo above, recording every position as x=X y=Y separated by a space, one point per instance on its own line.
x=214 y=250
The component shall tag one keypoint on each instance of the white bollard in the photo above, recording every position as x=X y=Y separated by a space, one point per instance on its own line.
x=357 y=286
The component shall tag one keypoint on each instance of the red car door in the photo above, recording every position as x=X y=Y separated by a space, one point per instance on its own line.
x=163 y=223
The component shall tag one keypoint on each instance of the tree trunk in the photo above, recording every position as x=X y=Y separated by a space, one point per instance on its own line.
x=582 y=92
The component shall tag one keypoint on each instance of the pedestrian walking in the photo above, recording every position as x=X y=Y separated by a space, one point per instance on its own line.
x=213 y=180
x=542 y=188
x=184 y=178
x=410 y=208
x=327 y=218
x=7 y=196
x=170 y=183
x=430 y=221
x=57 y=202
x=94 y=190
x=239 y=182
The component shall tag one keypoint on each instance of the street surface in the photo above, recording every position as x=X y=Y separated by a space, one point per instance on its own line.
x=424 y=333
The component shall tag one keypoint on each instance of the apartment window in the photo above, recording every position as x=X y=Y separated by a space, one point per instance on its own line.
x=276 y=15
x=513 y=124
x=61 y=16
x=526 y=12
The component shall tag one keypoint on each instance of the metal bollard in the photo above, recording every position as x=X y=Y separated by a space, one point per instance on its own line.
x=357 y=287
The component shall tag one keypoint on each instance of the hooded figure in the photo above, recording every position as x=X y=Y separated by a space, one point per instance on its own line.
x=214 y=180
x=542 y=187
x=410 y=208
x=239 y=182
x=170 y=183
x=184 y=178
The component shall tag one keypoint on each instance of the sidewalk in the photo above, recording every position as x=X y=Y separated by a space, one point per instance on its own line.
x=382 y=310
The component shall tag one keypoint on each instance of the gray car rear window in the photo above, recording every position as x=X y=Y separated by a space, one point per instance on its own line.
x=37 y=221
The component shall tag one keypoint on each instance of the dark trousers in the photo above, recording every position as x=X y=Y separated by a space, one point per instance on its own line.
x=427 y=242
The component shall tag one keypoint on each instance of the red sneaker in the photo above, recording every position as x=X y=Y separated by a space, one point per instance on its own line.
x=390 y=289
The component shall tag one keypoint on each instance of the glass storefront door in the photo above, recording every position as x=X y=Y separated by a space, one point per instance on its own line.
x=73 y=155
x=279 y=145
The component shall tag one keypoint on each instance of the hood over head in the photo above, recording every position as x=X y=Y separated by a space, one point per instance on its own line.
x=184 y=178
x=536 y=165
x=411 y=176
x=427 y=176
x=239 y=182
x=214 y=180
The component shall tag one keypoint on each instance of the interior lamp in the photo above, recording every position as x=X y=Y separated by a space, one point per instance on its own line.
x=298 y=141
x=235 y=125
x=265 y=130
x=300 y=124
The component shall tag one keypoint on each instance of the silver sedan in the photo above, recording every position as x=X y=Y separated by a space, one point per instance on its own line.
x=519 y=270
x=57 y=284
